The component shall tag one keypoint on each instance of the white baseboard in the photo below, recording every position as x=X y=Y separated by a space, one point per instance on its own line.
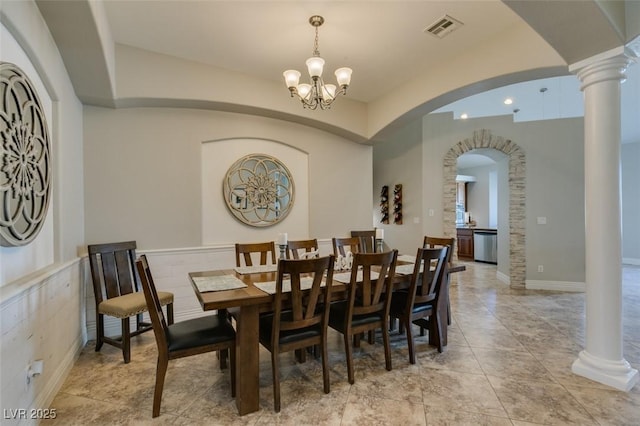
x=503 y=277
x=630 y=261
x=555 y=285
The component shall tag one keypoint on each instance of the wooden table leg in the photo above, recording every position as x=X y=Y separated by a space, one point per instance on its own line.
x=247 y=361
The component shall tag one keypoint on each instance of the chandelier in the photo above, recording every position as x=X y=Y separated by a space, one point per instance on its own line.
x=317 y=94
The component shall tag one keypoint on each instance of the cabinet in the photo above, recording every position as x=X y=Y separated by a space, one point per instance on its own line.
x=465 y=244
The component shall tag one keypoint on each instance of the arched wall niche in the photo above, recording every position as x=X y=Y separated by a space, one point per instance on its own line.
x=517 y=211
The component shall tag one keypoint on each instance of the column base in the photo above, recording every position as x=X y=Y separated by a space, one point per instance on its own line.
x=617 y=374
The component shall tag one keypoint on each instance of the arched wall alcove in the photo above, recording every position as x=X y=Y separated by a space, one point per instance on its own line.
x=484 y=139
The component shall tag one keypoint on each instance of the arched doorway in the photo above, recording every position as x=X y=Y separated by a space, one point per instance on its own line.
x=484 y=139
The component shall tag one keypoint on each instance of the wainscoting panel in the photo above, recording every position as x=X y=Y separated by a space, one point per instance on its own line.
x=43 y=321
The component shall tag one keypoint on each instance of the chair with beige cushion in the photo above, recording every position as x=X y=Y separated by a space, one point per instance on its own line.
x=117 y=293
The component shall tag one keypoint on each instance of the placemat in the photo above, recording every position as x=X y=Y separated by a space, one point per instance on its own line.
x=218 y=283
x=270 y=286
x=345 y=277
x=259 y=269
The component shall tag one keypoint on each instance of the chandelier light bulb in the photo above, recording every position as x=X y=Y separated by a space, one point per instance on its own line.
x=317 y=93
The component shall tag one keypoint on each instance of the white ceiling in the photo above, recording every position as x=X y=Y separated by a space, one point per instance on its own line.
x=562 y=99
x=382 y=41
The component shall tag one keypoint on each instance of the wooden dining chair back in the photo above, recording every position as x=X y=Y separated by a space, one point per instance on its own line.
x=435 y=242
x=422 y=303
x=117 y=293
x=368 y=302
x=267 y=251
x=294 y=247
x=185 y=338
x=301 y=313
x=367 y=240
x=352 y=243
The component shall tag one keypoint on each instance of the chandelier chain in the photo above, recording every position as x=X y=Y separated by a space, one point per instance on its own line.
x=316 y=52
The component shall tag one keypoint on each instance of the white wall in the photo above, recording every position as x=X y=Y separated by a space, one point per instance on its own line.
x=143 y=174
x=399 y=162
x=42 y=305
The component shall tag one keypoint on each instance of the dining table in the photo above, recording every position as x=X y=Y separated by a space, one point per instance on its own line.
x=244 y=288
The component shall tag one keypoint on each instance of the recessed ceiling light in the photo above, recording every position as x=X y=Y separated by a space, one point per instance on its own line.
x=508 y=101
x=464 y=116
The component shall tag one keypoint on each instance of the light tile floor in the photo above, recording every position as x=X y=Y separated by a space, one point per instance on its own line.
x=508 y=362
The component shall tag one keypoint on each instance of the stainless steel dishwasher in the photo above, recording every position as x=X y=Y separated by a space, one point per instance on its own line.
x=485 y=246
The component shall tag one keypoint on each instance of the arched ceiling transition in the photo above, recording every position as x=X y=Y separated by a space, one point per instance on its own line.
x=230 y=56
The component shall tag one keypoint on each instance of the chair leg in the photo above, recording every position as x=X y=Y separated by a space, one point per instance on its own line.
x=223 y=355
x=372 y=337
x=233 y=370
x=126 y=340
x=161 y=371
x=387 y=346
x=99 y=331
x=410 y=343
x=325 y=364
x=276 y=380
x=349 y=354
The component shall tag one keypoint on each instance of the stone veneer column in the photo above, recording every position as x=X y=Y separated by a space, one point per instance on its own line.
x=517 y=192
x=602 y=359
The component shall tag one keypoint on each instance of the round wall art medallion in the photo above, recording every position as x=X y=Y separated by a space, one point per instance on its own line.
x=25 y=171
x=258 y=190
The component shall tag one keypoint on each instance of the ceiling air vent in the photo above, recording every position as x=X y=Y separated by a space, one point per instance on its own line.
x=443 y=26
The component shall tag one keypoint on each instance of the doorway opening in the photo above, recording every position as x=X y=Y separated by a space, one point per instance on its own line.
x=483 y=139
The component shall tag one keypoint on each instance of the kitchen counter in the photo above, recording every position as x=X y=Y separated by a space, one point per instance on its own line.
x=466 y=234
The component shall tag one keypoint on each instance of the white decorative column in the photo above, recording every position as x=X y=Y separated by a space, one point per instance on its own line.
x=602 y=359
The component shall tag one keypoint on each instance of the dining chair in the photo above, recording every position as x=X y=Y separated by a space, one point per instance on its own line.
x=185 y=338
x=368 y=302
x=434 y=242
x=244 y=251
x=339 y=244
x=117 y=293
x=420 y=304
x=294 y=247
x=367 y=240
x=303 y=321
x=265 y=250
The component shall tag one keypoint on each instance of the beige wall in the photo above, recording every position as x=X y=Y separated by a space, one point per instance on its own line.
x=554 y=184
x=143 y=175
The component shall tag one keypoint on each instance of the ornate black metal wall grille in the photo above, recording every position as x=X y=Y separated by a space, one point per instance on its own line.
x=259 y=190
x=25 y=174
